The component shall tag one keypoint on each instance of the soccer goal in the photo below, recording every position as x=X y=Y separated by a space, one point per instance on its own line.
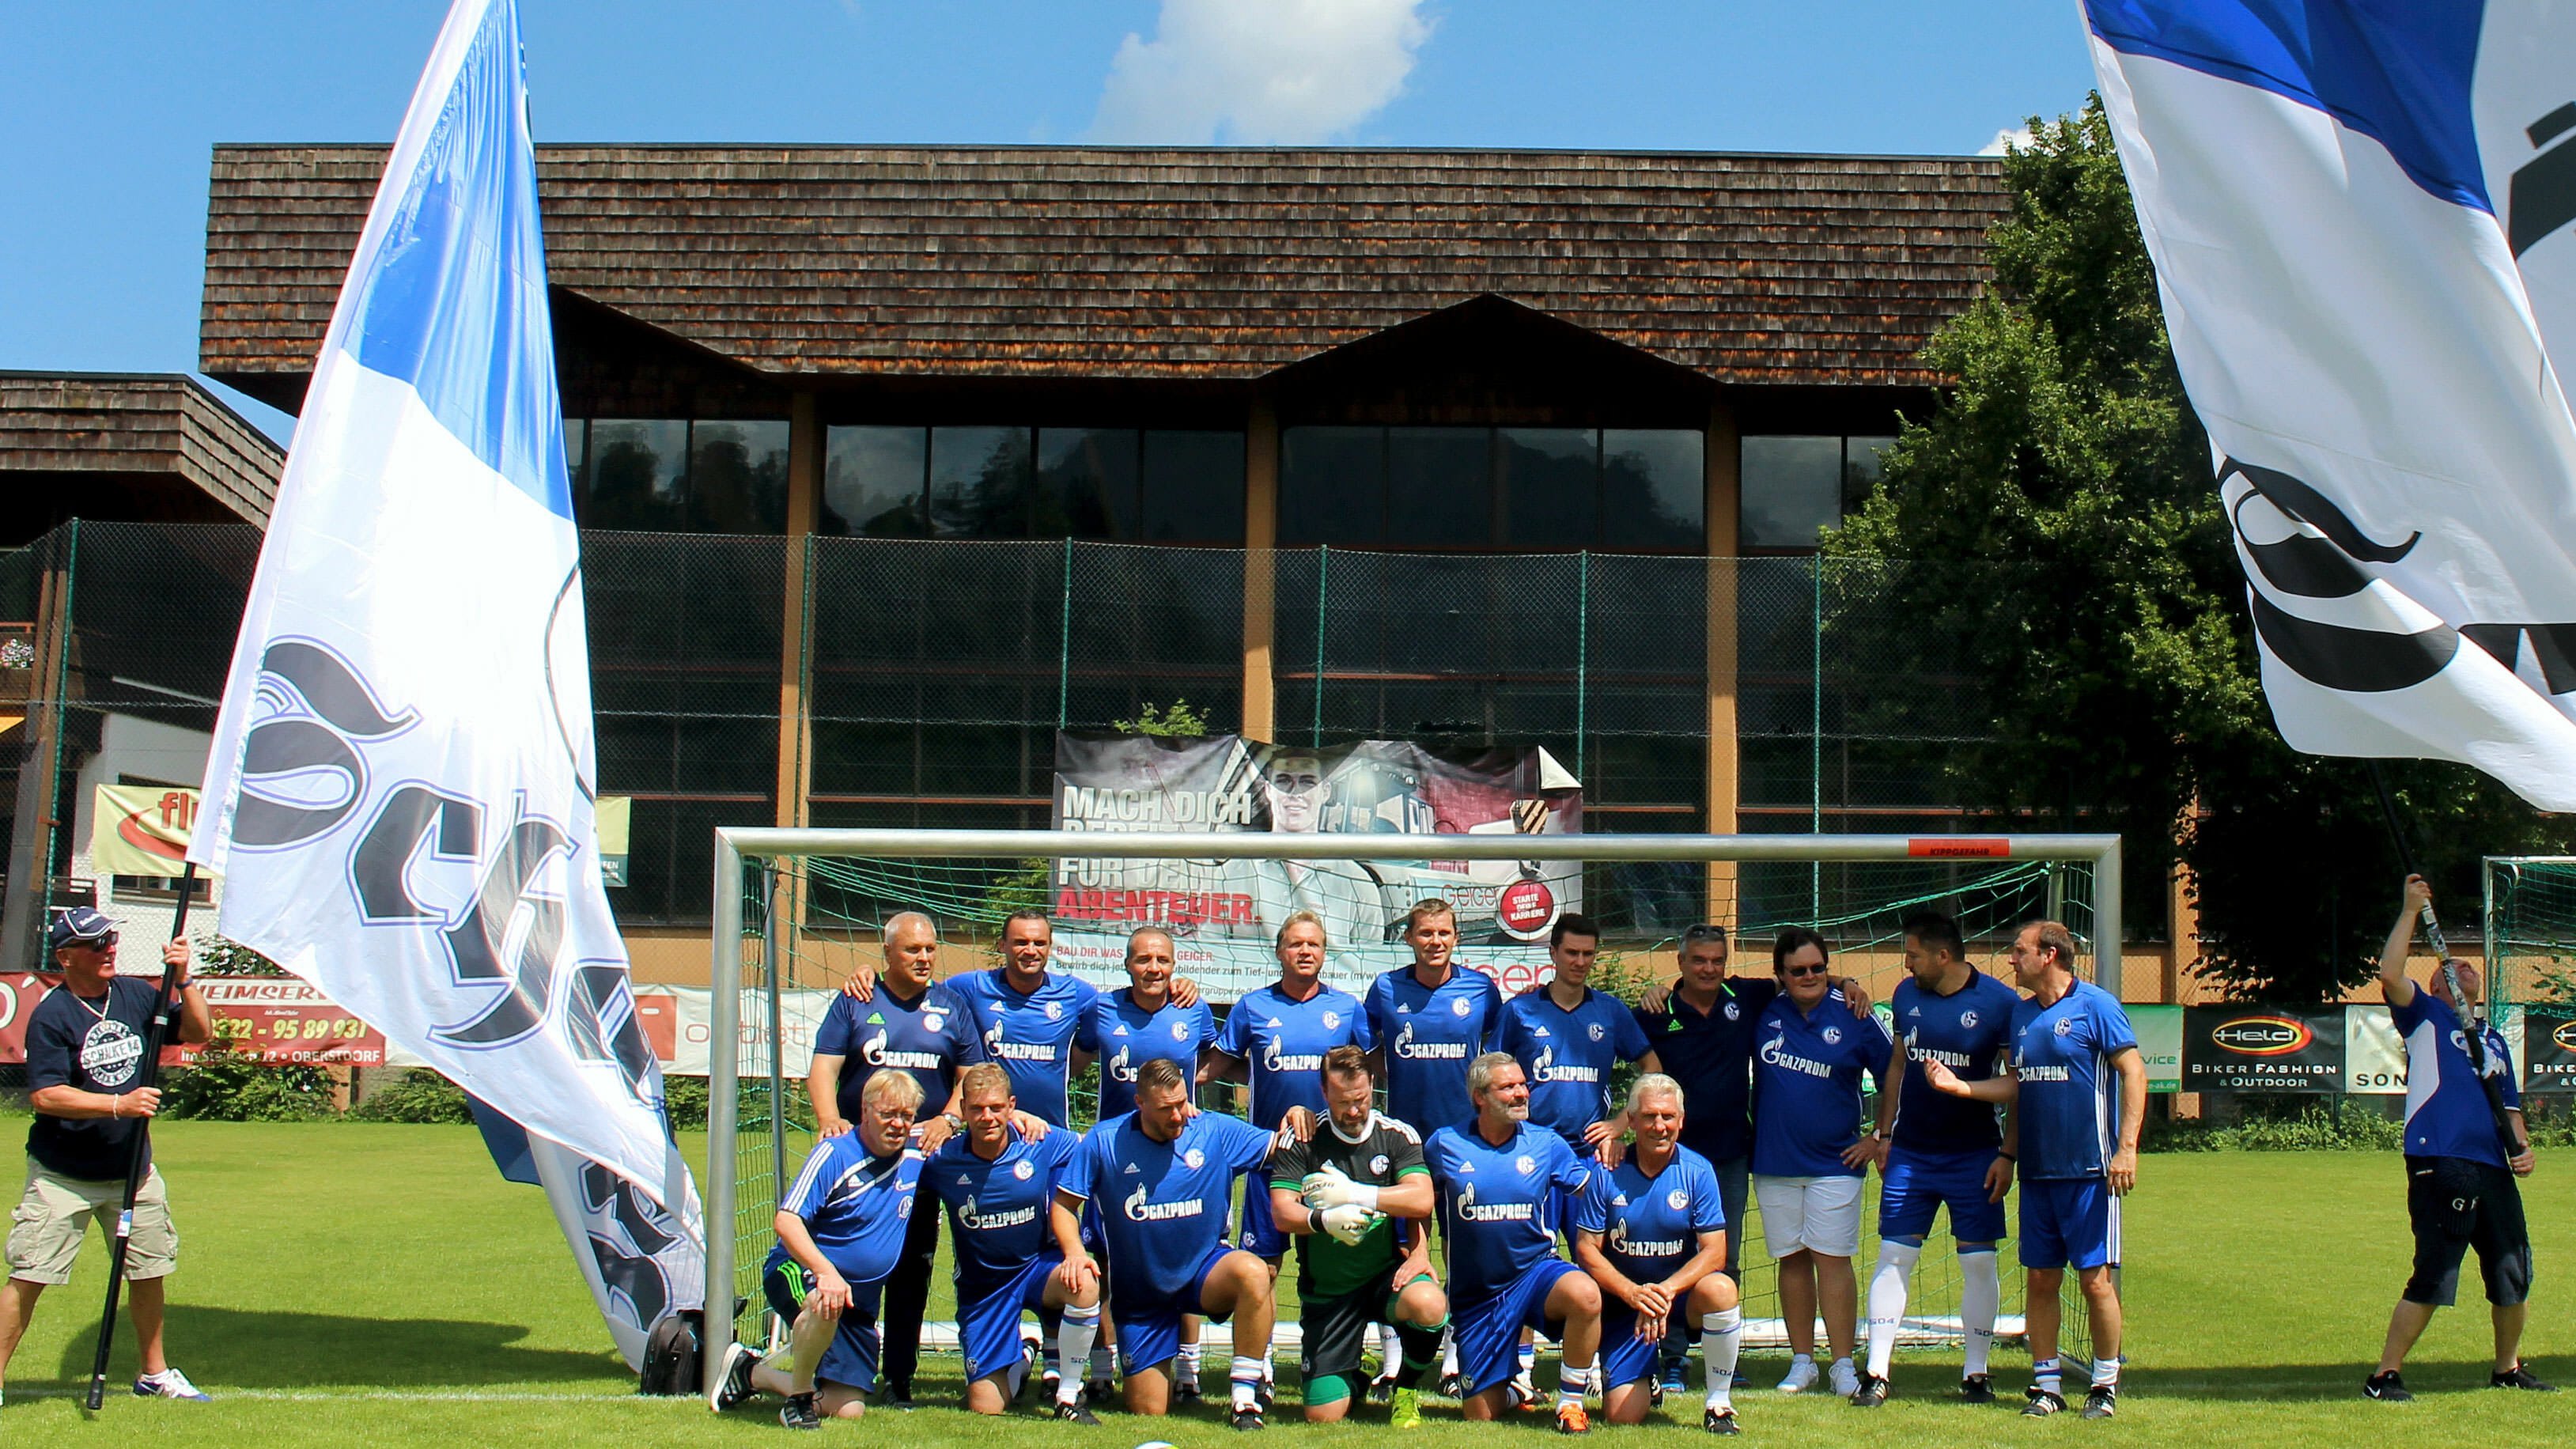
x=2529 y=911
x=795 y=910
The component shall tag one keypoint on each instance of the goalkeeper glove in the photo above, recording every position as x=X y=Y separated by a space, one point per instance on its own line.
x=1328 y=1186
x=1347 y=1222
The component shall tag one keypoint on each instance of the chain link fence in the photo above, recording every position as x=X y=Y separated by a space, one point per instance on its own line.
x=869 y=681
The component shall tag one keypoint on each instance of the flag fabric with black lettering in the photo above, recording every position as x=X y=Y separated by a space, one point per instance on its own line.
x=2358 y=217
x=399 y=795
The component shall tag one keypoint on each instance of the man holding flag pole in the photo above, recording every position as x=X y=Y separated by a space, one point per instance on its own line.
x=400 y=793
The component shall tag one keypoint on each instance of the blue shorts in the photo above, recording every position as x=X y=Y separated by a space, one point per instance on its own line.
x=1915 y=1185
x=1261 y=1236
x=988 y=1315
x=851 y=1357
x=1149 y=1328
x=1624 y=1357
x=2069 y=1222
x=1488 y=1334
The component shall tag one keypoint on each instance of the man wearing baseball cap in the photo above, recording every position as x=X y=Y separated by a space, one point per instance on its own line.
x=85 y=1044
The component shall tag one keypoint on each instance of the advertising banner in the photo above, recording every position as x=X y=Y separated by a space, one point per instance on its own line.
x=285 y=1022
x=141 y=830
x=675 y=1021
x=2374 y=1056
x=2159 y=1031
x=19 y=994
x=2260 y=1049
x=2549 y=1046
x=1224 y=915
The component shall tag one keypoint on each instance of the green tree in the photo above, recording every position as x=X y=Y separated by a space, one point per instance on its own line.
x=2051 y=534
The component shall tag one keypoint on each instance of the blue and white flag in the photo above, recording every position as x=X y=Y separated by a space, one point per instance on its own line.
x=2359 y=216
x=400 y=792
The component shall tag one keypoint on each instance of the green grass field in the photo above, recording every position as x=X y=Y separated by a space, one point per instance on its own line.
x=345 y=1284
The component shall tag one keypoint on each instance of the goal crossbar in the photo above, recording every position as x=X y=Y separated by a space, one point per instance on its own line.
x=736 y=844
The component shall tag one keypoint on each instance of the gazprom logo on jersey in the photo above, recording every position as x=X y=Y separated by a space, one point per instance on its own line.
x=1776 y=1053
x=1621 y=1243
x=2263 y=1036
x=1545 y=1069
x=1275 y=1060
x=1473 y=1211
x=1410 y=1050
x=975 y=1222
x=1121 y=1069
x=874 y=1053
x=1138 y=1210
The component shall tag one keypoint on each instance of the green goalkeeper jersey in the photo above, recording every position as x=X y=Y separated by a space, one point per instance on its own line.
x=1386 y=1150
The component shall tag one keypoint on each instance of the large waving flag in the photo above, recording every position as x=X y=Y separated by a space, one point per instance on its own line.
x=2358 y=213
x=400 y=793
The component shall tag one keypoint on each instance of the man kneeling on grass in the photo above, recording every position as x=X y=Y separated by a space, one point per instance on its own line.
x=840 y=1231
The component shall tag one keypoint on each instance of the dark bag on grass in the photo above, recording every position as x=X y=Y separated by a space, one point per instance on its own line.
x=671 y=1354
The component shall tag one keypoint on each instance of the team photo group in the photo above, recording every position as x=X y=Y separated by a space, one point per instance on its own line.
x=1437 y=1108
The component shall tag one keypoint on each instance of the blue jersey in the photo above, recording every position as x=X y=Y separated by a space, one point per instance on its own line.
x=856 y=1207
x=1499 y=1205
x=1568 y=1055
x=1430 y=1034
x=1711 y=1054
x=1650 y=1226
x=999 y=1211
x=1162 y=1204
x=1283 y=1041
x=1031 y=1035
x=1970 y=1032
x=1806 y=1086
x=1125 y=1036
x=930 y=1036
x=2446 y=1109
x=2068 y=1108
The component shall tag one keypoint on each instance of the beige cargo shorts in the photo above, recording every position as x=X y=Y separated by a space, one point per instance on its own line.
x=55 y=1211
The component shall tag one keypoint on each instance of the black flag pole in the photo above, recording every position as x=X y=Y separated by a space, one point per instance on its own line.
x=138 y=1156
x=2475 y=1013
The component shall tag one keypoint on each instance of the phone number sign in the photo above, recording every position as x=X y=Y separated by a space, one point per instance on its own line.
x=287 y=1023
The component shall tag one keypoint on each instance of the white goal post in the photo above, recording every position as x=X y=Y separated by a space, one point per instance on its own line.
x=735 y=845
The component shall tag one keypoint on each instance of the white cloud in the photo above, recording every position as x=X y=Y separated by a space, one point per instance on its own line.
x=1259 y=71
x=2017 y=137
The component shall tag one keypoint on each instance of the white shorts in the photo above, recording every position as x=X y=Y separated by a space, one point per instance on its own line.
x=1816 y=1214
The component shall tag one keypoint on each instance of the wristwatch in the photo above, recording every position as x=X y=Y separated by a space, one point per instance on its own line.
x=955 y=1122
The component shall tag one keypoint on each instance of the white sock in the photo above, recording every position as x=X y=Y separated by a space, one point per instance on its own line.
x=1721 y=1341
x=1073 y=1344
x=1571 y=1383
x=1188 y=1367
x=1390 y=1350
x=2106 y=1373
x=1448 y=1352
x=1887 y=1290
x=2045 y=1377
x=1247 y=1381
x=1529 y=1359
x=1981 y=1292
x=1269 y=1374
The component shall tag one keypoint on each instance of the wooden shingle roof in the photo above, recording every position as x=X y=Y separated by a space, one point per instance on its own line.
x=131 y=424
x=1203 y=264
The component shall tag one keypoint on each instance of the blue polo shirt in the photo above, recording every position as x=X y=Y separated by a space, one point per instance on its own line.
x=2068 y=1108
x=1568 y=1055
x=2446 y=1109
x=1125 y=1036
x=1711 y=1054
x=1030 y=1034
x=1806 y=1086
x=1430 y=1034
x=856 y=1206
x=930 y=1037
x=1283 y=1041
x=1970 y=1032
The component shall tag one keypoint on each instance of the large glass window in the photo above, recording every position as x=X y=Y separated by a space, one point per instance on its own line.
x=1167 y=486
x=670 y=474
x=1797 y=486
x=1542 y=489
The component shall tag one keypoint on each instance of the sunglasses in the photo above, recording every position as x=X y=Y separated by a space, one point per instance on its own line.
x=1801 y=972
x=1705 y=933
x=95 y=943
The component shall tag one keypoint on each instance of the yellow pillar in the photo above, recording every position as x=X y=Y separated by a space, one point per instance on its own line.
x=1260 y=540
x=1721 y=494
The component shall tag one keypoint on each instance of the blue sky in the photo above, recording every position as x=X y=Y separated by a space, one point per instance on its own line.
x=110 y=106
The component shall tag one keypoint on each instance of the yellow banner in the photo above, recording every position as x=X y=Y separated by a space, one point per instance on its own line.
x=141 y=830
x=614 y=813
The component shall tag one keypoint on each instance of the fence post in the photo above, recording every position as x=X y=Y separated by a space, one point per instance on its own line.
x=1582 y=653
x=31 y=848
x=1323 y=573
x=1064 y=642
x=1816 y=737
x=772 y=960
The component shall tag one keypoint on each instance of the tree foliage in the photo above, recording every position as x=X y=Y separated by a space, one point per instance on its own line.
x=2052 y=534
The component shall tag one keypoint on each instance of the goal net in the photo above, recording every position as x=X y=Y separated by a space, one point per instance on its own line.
x=801 y=908
x=2530 y=921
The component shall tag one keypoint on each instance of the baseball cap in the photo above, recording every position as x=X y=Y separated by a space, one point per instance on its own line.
x=77 y=925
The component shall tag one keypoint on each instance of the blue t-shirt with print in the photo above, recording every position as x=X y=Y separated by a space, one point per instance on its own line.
x=1807 y=1070
x=2068 y=1108
x=1568 y=1055
x=1030 y=1034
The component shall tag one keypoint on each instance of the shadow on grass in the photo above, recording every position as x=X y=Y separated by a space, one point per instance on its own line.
x=2309 y=1382
x=250 y=1350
